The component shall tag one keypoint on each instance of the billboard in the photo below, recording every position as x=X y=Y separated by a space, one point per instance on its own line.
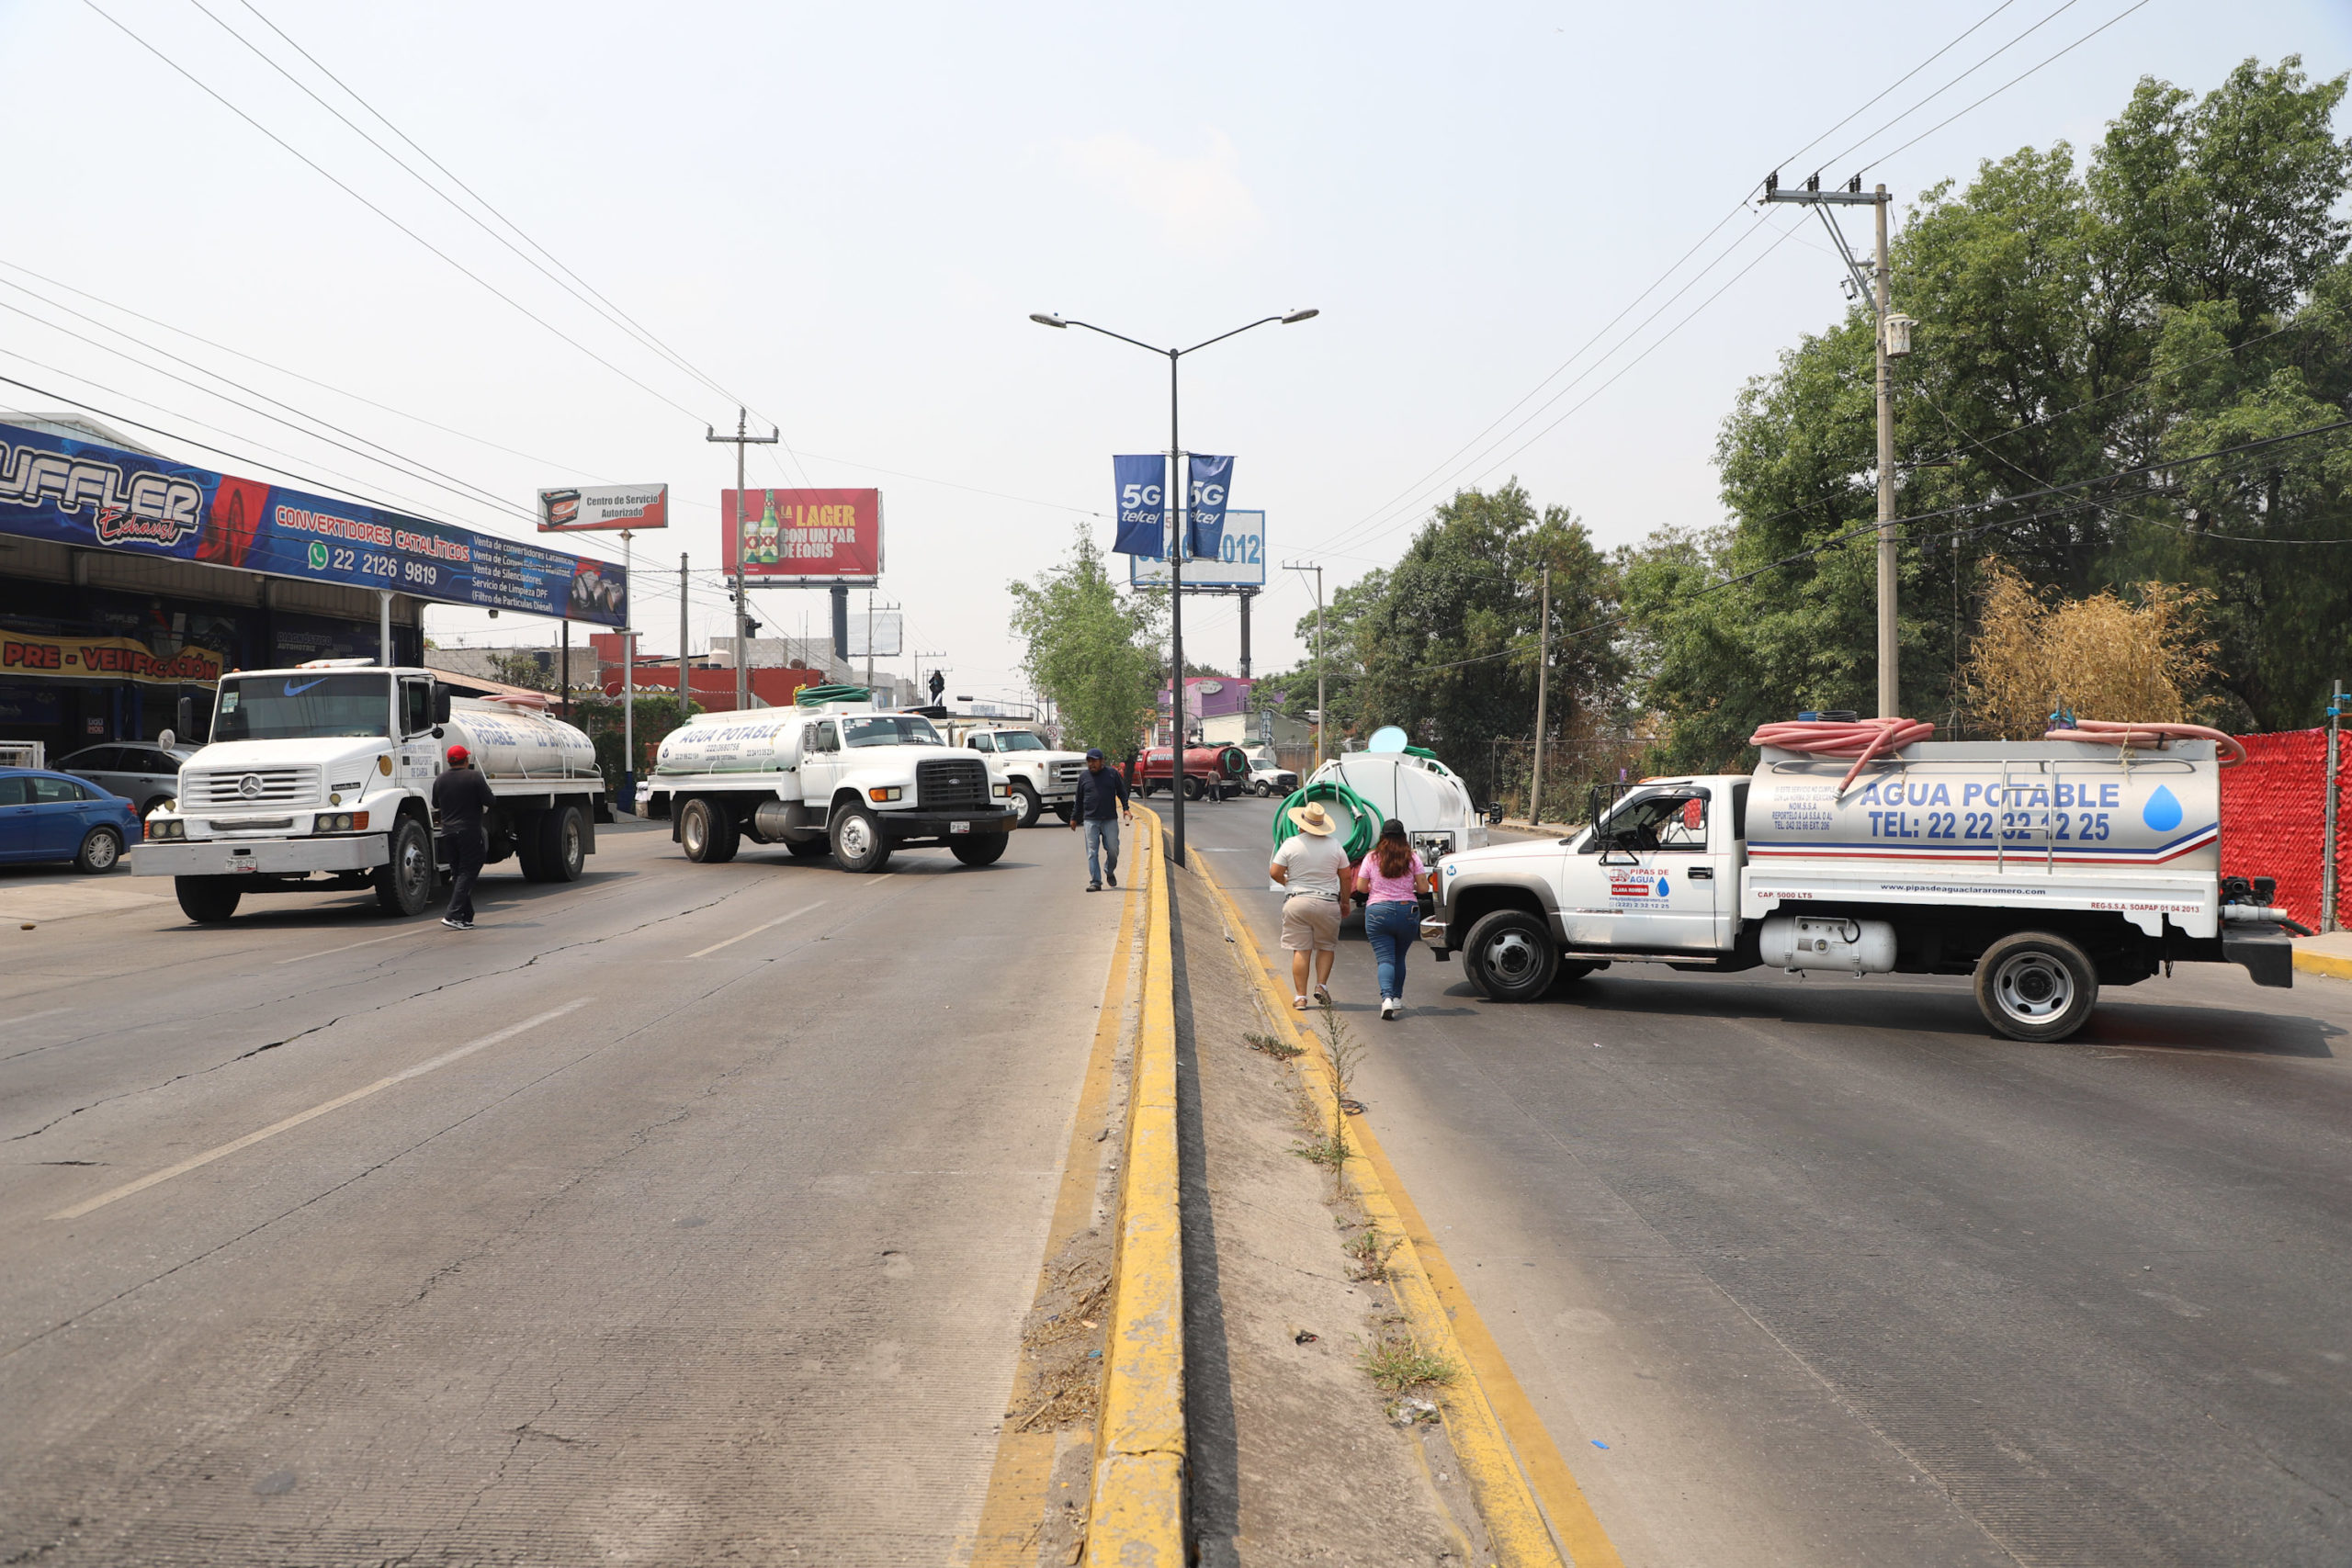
x=1240 y=559
x=828 y=536
x=94 y=497
x=890 y=635
x=585 y=508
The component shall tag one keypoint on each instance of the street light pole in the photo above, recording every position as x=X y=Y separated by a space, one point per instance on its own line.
x=1179 y=486
x=1318 y=570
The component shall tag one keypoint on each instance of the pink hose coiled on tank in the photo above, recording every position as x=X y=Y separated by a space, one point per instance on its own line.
x=1860 y=738
x=2115 y=732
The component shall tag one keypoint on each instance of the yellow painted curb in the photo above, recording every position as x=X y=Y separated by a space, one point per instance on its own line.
x=1137 y=1518
x=1502 y=1490
x=2324 y=964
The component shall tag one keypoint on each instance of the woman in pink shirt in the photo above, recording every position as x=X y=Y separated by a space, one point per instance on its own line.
x=1393 y=878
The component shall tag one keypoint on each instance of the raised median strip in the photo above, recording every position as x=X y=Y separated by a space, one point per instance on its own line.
x=1136 y=1519
x=1507 y=1457
x=2330 y=954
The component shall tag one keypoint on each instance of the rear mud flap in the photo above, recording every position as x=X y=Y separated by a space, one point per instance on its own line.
x=2265 y=953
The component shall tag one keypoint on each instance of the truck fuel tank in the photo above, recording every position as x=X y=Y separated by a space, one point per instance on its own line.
x=1828 y=941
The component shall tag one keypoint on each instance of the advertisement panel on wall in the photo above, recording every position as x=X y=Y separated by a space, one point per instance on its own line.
x=830 y=536
x=82 y=493
x=580 y=508
x=1241 y=561
x=104 y=659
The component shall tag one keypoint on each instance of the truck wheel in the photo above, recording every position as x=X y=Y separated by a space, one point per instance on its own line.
x=562 y=845
x=1064 y=810
x=858 y=843
x=101 y=851
x=1511 y=956
x=207 y=900
x=404 y=886
x=981 y=848
x=707 y=832
x=810 y=849
x=527 y=844
x=1192 y=788
x=2032 y=986
x=1025 y=803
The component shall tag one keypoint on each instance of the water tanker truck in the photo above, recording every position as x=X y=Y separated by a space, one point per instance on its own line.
x=320 y=779
x=2045 y=869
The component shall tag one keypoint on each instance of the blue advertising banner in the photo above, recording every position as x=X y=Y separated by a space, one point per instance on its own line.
x=1212 y=485
x=78 y=492
x=1142 y=527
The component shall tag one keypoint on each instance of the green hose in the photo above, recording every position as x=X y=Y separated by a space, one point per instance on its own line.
x=815 y=696
x=1364 y=816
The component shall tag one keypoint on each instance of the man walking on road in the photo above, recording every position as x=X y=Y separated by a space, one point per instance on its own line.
x=1102 y=806
x=460 y=798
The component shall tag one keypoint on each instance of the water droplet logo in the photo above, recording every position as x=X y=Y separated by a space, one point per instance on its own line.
x=1661 y=886
x=2162 y=810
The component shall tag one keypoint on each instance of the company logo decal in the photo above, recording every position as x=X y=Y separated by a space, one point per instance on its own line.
x=250 y=786
x=2162 y=810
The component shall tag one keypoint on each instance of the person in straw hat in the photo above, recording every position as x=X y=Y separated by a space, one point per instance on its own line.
x=1313 y=866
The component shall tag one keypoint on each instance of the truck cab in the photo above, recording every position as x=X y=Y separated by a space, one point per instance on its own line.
x=1035 y=775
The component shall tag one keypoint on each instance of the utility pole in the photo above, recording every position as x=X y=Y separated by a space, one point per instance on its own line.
x=1302 y=570
x=685 y=693
x=628 y=682
x=567 y=667
x=1246 y=595
x=2331 y=909
x=742 y=610
x=1893 y=336
x=1543 y=673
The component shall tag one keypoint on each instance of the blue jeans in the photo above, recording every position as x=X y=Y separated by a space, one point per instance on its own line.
x=1102 y=848
x=1392 y=928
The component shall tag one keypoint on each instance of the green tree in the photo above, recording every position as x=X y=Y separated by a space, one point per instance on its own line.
x=2187 y=291
x=1095 y=654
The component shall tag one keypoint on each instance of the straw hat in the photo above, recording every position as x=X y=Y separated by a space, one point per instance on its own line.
x=1312 y=819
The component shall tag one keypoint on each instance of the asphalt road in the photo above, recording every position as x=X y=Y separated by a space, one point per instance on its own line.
x=683 y=1215
x=1840 y=1277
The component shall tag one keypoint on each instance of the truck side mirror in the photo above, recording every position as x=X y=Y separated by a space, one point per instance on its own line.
x=441 y=696
x=1596 y=806
x=187 y=725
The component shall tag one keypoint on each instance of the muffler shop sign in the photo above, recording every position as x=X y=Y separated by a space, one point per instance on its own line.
x=80 y=493
x=107 y=658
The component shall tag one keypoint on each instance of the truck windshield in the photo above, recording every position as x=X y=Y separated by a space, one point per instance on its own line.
x=303 y=705
x=890 y=729
x=1018 y=740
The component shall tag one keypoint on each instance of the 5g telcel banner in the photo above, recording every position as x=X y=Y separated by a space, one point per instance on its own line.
x=1142 y=528
x=1212 y=483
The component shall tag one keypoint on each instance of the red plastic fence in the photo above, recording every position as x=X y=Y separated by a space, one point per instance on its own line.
x=2274 y=810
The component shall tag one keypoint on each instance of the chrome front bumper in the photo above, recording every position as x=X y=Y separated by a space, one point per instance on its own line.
x=1433 y=933
x=261 y=857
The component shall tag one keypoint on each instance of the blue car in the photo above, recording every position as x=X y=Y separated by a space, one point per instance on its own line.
x=46 y=816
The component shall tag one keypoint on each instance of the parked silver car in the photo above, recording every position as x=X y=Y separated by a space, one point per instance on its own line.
x=141 y=772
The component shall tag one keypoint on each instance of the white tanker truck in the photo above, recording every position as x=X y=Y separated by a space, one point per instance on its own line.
x=2045 y=869
x=320 y=779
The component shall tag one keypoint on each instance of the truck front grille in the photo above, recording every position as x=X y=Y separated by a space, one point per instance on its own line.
x=1066 y=774
x=951 y=783
x=234 y=788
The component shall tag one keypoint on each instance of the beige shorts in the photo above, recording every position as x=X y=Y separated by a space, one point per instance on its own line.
x=1310 y=923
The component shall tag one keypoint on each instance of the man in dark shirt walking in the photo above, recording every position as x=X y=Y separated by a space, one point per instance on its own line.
x=1102 y=804
x=460 y=798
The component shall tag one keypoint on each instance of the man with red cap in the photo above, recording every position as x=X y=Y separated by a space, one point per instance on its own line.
x=461 y=799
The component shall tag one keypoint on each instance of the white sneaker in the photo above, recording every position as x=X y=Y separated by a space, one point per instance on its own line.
x=1390 y=1007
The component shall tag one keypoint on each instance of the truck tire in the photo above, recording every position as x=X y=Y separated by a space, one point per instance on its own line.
x=404 y=885
x=1065 y=810
x=101 y=852
x=1025 y=803
x=981 y=848
x=527 y=828
x=207 y=900
x=2035 y=986
x=858 y=843
x=562 y=845
x=1511 y=956
x=1192 y=786
x=707 y=833
x=807 y=849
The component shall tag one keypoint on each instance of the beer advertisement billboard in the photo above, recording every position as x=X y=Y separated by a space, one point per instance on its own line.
x=827 y=535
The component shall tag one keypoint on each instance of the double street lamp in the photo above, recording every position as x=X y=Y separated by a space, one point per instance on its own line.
x=1177 y=486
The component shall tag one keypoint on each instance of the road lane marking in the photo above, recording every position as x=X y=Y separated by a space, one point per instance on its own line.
x=346 y=947
x=745 y=936
x=337 y=1103
x=28 y=1017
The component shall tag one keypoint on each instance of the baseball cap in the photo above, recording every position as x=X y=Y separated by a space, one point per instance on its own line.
x=1094 y=754
x=459 y=754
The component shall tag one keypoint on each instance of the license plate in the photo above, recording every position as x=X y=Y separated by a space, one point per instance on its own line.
x=959 y=826
x=244 y=866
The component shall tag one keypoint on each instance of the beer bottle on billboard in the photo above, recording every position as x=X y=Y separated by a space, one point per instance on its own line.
x=771 y=534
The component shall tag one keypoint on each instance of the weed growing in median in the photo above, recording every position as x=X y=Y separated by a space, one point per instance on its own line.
x=1370 y=1252
x=1395 y=1366
x=1332 y=1151
x=1279 y=1050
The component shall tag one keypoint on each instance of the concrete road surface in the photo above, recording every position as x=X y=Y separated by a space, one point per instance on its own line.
x=1840 y=1277
x=683 y=1215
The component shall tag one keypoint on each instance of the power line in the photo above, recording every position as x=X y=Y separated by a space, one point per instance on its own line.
x=320 y=170
x=2069 y=5
x=1946 y=49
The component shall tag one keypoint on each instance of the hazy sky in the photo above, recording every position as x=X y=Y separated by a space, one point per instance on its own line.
x=845 y=214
